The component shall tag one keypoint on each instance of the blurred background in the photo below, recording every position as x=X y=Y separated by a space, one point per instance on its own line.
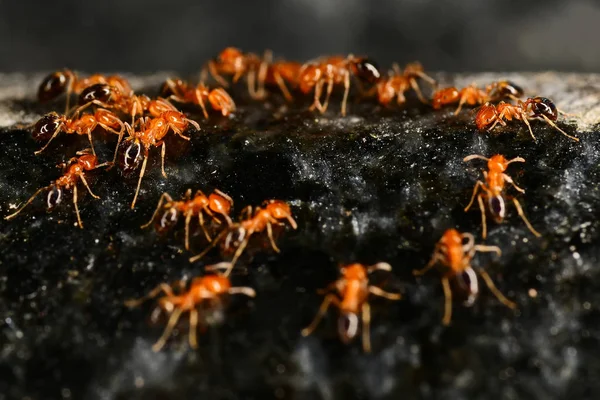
x=151 y=35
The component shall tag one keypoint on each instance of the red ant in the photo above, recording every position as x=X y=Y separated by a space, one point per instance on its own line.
x=75 y=170
x=151 y=133
x=66 y=80
x=398 y=82
x=180 y=91
x=335 y=70
x=232 y=61
x=208 y=288
x=216 y=203
x=351 y=298
x=532 y=108
x=472 y=95
x=455 y=254
x=108 y=96
x=280 y=72
x=238 y=234
x=493 y=189
x=52 y=124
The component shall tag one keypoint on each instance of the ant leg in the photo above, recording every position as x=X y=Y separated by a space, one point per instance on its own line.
x=434 y=259
x=522 y=215
x=76 y=208
x=427 y=78
x=193 y=327
x=162 y=159
x=163 y=196
x=483 y=221
x=317 y=97
x=212 y=68
x=210 y=246
x=11 y=216
x=366 y=328
x=381 y=266
x=247 y=291
x=377 y=291
x=328 y=288
x=201 y=223
x=262 y=71
x=415 y=86
x=270 y=234
x=490 y=284
x=552 y=124
x=163 y=287
x=463 y=100
x=170 y=325
x=328 y=95
x=137 y=190
x=329 y=299
x=55 y=134
x=82 y=177
x=346 y=91
x=282 y=86
x=188 y=217
x=89 y=135
x=121 y=133
x=526 y=121
x=447 y=301
x=487 y=249
x=400 y=98
x=200 y=101
x=238 y=253
x=478 y=184
x=509 y=180
x=476 y=156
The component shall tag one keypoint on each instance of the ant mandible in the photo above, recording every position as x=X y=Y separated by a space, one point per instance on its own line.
x=533 y=108
x=335 y=70
x=493 y=189
x=75 y=170
x=216 y=203
x=238 y=234
x=50 y=125
x=398 y=82
x=233 y=62
x=455 y=254
x=472 y=95
x=151 y=133
x=181 y=92
x=202 y=289
x=352 y=291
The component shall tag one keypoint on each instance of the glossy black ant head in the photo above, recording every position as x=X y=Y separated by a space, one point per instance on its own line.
x=46 y=126
x=497 y=208
x=54 y=197
x=168 y=220
x=132 y=155
x=347 y=326
x=54 y=85
x=366 y=70
x=543 y=106
x=467 y=281
x=100 y=92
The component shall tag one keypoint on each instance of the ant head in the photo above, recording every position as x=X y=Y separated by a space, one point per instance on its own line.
x=46 y=126
x=497 y=163
x=444 y=96
x=467 y=281
x=132 y=155
x=167 y=220
x=452 y=237
x=54 y=197
x=497 y=208
x=216 y=284
x=543 y=106
x=230 y=54
x=100 y=92
x=366 y=70
x=54 y=85
x=347 y=326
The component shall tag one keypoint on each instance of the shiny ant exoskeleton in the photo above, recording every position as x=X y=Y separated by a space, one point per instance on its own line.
x=352 y=290
x=75 y=170
x=492 y=190
x=490 y=115
x=107 y=96
x=151 y=133
x=472 y=95
x=50 y=125
x=455 y=251
x=233 y=62
x=206 y=289
x=216 y=203
x=335 y=70
x=181 y=92
x=237 y=235
x=399 y=82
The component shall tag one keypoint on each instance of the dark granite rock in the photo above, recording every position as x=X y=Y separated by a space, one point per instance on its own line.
x=376 y=185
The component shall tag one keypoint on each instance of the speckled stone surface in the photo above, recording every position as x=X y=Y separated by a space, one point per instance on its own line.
x=376 y=185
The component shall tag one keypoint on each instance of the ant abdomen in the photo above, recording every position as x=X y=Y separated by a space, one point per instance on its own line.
x=45 y=127
x=367 y=71
x=347 y=326
x=100 y=92
x=53 y=86
x=234 y=238
x=54 y=197
x=544 y=106
x=497 y=208
x=467 y=281
x=167 y=221
x=131 y=156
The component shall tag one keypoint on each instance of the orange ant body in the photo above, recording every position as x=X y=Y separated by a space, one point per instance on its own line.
x=233 y=62
x=208 y=288
x=280 y=72
x=455 y=254
x=52 y=124
x=398 y=82
x=472 y=95
x=75 y=170
x=216 y=203
x=238 y=234
x=332 y=71
x=533 y=108
x=151 y=133
x=493 y=189
x=351 y=298
x=107 y=96
x=180 y=91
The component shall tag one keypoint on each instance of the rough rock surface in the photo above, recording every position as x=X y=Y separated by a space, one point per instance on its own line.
x=375 y=185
